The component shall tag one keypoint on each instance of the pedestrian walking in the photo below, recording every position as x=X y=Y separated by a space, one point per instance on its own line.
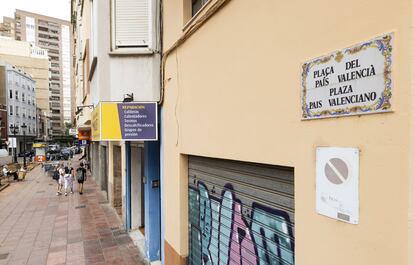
x=68 y=180
x=81 y=177
x=72 y=170
x=59 y=176
x=72 y=176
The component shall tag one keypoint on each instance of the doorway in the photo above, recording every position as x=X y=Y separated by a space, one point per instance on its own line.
x=104 y=169
x=117 y=168
x=137 y=189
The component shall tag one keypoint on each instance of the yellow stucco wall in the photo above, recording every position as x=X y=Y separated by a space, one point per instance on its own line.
x=233 y=91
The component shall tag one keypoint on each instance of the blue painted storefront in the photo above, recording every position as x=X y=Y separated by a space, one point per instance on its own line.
x=152 y=199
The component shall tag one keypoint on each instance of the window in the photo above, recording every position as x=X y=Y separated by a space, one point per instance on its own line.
x=43 y=29
x=131 y=23
x=11 y=110
x=17 y=95
x=196 y=5
x=11 y=93
x=22 y=97
x=17 y=110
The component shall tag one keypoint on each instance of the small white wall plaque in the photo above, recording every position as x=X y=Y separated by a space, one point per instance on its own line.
x=337 y=183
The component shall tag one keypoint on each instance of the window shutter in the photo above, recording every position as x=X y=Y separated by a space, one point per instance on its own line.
x=131 y=23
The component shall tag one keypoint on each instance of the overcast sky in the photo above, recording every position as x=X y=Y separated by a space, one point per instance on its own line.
x=54 y=8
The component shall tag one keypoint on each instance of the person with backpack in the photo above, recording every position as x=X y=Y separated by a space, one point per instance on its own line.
x=81 y=177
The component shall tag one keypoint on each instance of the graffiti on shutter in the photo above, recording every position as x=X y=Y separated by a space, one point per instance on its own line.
x=224 y=230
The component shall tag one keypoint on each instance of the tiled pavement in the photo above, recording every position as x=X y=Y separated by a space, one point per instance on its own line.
x=37 y=227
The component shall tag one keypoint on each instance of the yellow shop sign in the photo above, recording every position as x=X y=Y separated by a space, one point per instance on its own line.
x=112 y=121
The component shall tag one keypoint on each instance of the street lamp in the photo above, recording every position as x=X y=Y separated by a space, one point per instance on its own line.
x=24 y=126
x=14 y=130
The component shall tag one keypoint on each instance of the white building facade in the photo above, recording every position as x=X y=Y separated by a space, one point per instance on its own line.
x=121 y=60
x=21 y=105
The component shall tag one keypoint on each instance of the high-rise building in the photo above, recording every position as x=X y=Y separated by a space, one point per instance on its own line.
x=8 y=28
x=54 y=35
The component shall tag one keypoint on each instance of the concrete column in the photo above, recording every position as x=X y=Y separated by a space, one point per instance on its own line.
x=111 y=173
x=117 y=178
x=103 y=168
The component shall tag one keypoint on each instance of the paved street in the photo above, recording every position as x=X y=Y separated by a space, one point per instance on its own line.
x=38 y=227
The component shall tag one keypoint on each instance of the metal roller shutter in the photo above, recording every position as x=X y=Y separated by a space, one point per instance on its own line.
x=131 y=23
x=240 y=213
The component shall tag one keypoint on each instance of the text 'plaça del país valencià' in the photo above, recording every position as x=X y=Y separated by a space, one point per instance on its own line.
x=354 y=72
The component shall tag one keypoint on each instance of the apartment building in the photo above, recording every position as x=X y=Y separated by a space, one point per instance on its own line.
x=267 y=154
x=19 y=92
x=34 y=61
x=8 y=27
x=256 y=117
x=262 y=101
x=117 y=64
x=54 y=35
x=4 y=132
x=81 y=66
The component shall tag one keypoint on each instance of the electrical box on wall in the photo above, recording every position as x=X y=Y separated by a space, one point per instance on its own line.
x=337 y=183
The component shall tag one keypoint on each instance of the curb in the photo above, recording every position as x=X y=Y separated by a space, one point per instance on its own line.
x=2 y=187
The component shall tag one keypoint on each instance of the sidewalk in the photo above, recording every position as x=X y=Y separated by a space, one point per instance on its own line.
x=38 y=227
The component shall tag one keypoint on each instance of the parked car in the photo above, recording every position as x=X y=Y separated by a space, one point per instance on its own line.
x=54 y=148
x=78 y=150
x=66 y=153
x=27 y=154
x=55 y=157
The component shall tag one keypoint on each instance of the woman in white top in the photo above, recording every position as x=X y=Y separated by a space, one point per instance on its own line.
x=68 y=181
x=61 y=171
